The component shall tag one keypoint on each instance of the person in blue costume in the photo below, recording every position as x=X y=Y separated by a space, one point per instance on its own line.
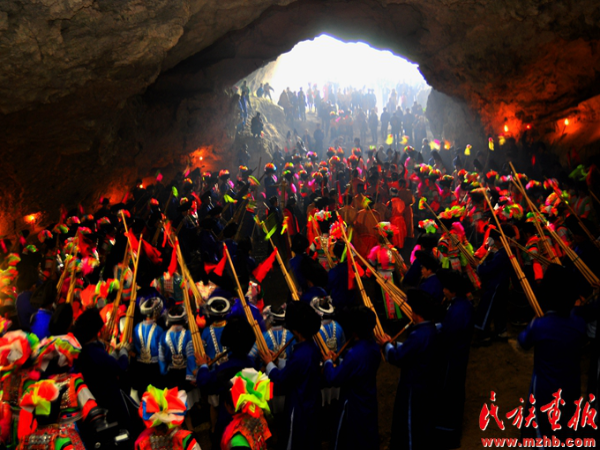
x=456 y=332
x=276 y=336
x=430 y=283
x=187 y=229
x=557 y=338
x=331 y=331
x=210 y=249
x=495 y=275
x=176 y=352
x=103 y=371
x=316 y=279
x=206 y=205
x=237 y=310
x=44 y=297
x=218 y=308
x=412 y=424
x=270 y=180
x=356 y=375
x=341 y=296
x=300 y=379
x=238 y=338
x=427 y=243
x=299 y=246
x=147 y=336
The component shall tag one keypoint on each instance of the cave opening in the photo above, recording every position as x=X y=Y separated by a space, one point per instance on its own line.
x=346 y=66
x=347 y=88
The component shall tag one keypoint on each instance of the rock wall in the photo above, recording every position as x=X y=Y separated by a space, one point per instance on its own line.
x=96 y=94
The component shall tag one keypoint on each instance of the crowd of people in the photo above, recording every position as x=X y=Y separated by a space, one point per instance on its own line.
x=132 y=324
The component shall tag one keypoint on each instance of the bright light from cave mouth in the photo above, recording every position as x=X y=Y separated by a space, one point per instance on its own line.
x=326 y=59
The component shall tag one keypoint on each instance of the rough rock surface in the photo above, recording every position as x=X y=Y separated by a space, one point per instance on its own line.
x=96 y=93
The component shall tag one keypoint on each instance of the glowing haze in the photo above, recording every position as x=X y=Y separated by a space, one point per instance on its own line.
x=325 y=59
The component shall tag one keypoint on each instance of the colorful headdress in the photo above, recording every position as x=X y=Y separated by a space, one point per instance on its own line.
x=353 y=159
x=322 y=215
x=37 y=401
x=39 y=396
x=270 y=167
x=303 y=174
x=251 y=392
x=340 y=151
x=387 y=229
x=435 y=173
x=491 y=174
x=43 y=235
x=446 y=180
x=334 y=160
x=166 y=406
x=513 y=211
x=428 y=225
x=522 y=177
x=296 y=158
x=65 y=348
x=288 y=166
x=243 y=168
x=533 y=184
x=74 y=220
x=224 y=173
x=425 y=169
x=356 y=151
x=103 y=221
x=312 y=155
x=30 y=249
x=16 y=347
x=456 y=212
x=60 y=229
x=335 y=231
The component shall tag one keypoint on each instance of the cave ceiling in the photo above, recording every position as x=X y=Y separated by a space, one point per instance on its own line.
x=96 y=93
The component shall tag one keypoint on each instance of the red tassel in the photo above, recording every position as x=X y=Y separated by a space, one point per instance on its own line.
x=221 y=266
x=152 y=253
x=173 y=263
x=166 y=233
x=133 y=242
x=264 y=267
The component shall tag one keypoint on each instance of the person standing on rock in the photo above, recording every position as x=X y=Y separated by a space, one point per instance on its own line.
x=256 y=125
x=385 y=121
x=301 y=105
x=245 y=91
x=260 y=91
x=267 y=89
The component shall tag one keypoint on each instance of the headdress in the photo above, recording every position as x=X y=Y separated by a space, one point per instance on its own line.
x=160 y=407
x=428 y=225
x=151 y=306
x=387 y=229
x=43 y=235
x=16 y=347
x=64 y=348
x=218 y=306
x=251 y=392
x=323 y=306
